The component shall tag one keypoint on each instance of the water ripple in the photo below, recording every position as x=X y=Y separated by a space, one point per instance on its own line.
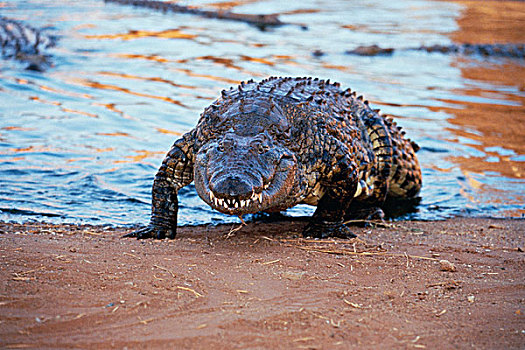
x=83 y=141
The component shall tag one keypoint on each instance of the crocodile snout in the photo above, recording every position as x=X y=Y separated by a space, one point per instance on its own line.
x=235 y=193
x=232 y=186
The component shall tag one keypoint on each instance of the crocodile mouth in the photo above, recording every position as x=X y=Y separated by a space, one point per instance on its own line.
x=253 y=203
x=246 y=193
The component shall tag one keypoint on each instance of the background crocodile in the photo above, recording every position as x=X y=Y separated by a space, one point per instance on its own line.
x=487 y=50
x=26 y=44
x=269 y=145
x=261 y=21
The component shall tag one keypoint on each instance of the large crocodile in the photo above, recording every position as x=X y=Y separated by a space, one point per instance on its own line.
x=24 y=43
x=269 y=145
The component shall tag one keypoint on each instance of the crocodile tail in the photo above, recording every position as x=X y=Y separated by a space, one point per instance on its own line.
x=381 y=143
x=405 y=176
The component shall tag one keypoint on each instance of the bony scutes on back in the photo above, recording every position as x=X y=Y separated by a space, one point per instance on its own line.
x=270 y=145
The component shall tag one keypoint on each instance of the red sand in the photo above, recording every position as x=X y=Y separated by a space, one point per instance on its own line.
x=65 y=286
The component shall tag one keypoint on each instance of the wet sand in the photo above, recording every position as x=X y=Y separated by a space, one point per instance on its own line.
x=66 y=286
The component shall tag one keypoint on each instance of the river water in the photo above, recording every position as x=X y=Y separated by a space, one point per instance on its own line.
x=82 y=141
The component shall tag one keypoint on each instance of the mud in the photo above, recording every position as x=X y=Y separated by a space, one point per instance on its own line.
x=262 y=286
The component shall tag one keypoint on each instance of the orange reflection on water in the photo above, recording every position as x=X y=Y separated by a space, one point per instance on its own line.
x=493 y=127
x=102 y=150
x=31 y=149
x=69 y=110
x=257 y=60
x=441 y=170
x=228 y=5
x=97 y=85
x=138 y=34
x=169 y=132
x=347 y=68
x=17 y=128
x=14 y=159
x=206 y=76
x=113 y=134
x=491 y=111
x=110 y=170
x=46 y=88
x=188 y=72
x=154 y=79
x=41 y=100
x=22 y=81
x=491 y=22
x=144 y=57
x=227 y=62
x=111 y=107
x=140 y=156
x=63 y=109
x=83 y=26
x=79 y=159
x=300 y=11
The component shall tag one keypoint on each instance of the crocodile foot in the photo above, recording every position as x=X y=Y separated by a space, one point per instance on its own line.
x=365 y=217
x=151 y=231
x=327 y=229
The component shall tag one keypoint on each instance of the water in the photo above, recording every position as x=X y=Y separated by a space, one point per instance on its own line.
x=82 y=141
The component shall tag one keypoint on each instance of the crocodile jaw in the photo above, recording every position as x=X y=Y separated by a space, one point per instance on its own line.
x=265 y=194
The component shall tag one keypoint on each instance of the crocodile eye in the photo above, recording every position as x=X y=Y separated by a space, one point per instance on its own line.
x=259 y=147
x=262 y=149
x=225 y=145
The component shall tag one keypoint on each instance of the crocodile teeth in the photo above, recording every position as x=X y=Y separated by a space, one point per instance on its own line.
x=358 y=190
x=232 y=203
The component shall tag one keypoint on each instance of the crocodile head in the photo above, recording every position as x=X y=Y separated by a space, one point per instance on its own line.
x=245 y=173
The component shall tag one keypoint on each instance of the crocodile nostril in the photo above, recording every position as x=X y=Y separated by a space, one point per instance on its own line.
x=231 y=187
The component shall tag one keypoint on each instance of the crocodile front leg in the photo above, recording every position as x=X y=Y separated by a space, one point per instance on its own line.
x=175 y=172
x=328 y=218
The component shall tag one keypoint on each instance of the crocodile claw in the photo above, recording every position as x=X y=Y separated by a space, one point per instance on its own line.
x=151 y=231
x=328 y=229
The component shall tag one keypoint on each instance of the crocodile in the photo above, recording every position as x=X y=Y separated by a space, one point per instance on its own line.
x=259 y=20
x=26 y=44
x=270 y=145
x=484 y=50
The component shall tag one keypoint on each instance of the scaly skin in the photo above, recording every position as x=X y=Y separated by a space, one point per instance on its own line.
x=270 y=145
x=25 y=43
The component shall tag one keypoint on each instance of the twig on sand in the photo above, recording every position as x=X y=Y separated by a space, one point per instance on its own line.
x=377 y=223
x=165 y=269
x=133 y=255
x=271 y=262
x=146 y=321
x=197 y=294
x=30 y=271
x=365 y=253
x=233 y=230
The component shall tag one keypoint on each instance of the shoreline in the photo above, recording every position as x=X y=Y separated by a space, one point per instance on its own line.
x=264 y=286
